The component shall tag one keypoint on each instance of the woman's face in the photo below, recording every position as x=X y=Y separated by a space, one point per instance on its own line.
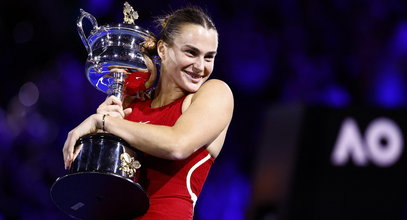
x=189 y=61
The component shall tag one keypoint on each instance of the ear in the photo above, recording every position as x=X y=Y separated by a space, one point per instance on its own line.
x=161 y=48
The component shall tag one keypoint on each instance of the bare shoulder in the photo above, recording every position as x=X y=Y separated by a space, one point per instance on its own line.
x=215 y=86
x=213 y=92
x=215 y=82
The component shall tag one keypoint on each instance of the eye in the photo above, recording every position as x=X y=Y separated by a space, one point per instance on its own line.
x=191 y=53
x=209 y=58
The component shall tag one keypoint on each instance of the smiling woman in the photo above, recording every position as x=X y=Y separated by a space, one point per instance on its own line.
x=182 y=128
x=190 y=57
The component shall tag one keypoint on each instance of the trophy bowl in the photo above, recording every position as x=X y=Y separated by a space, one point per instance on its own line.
x=117 y=45
x=102 y=180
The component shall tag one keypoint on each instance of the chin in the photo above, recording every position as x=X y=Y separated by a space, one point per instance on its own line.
x=192 y=88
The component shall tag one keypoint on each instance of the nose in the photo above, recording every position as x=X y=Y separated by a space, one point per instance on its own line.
x=199 y=64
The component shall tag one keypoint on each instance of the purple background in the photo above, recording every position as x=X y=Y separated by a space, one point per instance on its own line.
x=334 y=53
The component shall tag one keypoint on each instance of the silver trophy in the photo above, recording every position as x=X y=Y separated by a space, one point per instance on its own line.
x=116 y=47
x=102 y=181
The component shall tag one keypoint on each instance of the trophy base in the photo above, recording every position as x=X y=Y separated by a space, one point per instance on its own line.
x=94 y=195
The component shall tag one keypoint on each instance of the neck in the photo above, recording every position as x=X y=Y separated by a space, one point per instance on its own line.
x=166 y=94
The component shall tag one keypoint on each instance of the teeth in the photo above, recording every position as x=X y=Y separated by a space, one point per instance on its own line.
x=195 y=76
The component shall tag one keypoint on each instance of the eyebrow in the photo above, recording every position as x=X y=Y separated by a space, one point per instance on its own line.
x=213 y=53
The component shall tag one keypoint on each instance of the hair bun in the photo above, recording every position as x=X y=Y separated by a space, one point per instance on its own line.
x=164 y=22
x=149 y=46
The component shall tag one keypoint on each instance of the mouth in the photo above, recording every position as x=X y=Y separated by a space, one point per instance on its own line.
x=193 y=76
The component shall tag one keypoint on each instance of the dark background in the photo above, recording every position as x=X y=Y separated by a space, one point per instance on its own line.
x=336 y=54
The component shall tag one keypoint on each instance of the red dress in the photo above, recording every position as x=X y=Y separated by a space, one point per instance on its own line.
x=135 y=82
x=172 y=185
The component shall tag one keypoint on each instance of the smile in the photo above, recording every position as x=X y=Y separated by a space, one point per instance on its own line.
x=194 y=76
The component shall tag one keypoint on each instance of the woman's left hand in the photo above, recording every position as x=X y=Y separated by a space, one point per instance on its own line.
x=112 y=106
x=90 y=125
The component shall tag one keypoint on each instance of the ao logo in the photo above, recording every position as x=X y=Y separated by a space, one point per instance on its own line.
x=382 y=143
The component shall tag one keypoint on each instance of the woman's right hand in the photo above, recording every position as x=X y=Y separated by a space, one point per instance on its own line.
x=113 y=107
x=90 y=125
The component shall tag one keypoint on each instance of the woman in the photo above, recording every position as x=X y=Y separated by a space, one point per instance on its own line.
x=183 y=127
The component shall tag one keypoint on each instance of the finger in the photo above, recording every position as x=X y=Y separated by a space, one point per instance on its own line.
x=68 y=149
x=114 y=114
x=101 y=109
x=106 y=106
x=115 y=111
x=77 y=151
x=112 y=110
x=127 y=111
x=113 y=100
x=102 y=106
x=90 y=125
x=65 y=152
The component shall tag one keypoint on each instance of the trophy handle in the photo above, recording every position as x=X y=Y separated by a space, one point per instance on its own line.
x=92 y=20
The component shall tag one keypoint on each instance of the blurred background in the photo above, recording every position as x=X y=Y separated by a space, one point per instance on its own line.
x=320 y=105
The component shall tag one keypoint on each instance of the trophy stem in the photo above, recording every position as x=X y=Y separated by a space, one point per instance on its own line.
x=117 y=87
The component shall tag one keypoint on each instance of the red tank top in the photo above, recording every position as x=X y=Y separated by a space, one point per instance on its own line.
x=172 y=185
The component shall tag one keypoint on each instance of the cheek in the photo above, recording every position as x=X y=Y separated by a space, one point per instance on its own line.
x=209 y=68
x=178 y=60
x=172 y=57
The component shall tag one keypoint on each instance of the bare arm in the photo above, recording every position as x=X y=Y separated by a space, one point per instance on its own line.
x=208 y=115
x=206 y=118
